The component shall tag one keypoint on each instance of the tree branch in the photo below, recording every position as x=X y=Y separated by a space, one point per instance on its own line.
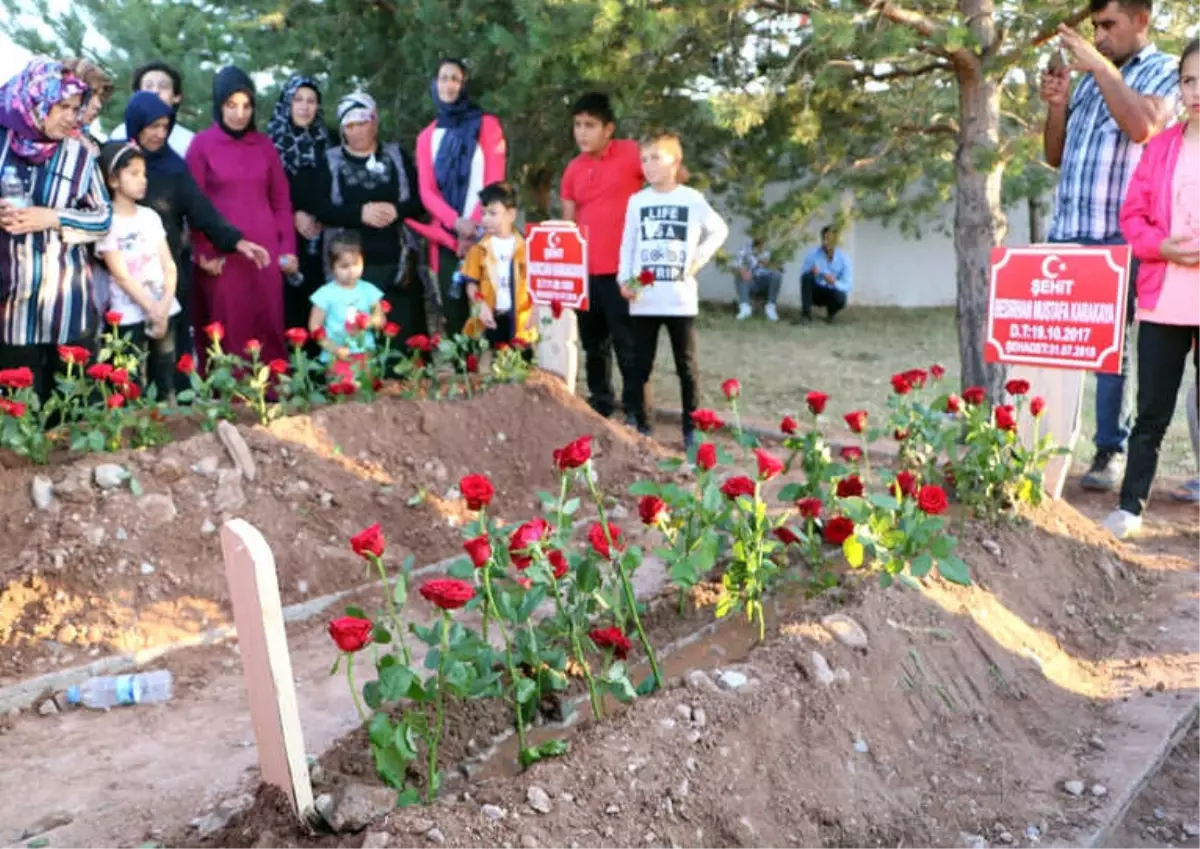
x=923 y=24
x=942 y=128
x=1011 y=57
x=895 y=73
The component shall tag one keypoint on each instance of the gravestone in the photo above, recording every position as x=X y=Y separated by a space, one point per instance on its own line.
x=266 y=663
x=1063 y=391
x=557 y=348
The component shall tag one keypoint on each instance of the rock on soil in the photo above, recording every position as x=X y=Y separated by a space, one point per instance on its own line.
x=239 y=452
x=538 y=799
x=698 y=679
x=109 y=475
x=1075 y=788
x=493 y=812
x=48 y=823
x=42 y=492
x=222 y=815
x=357 y=806
x=732 y=680
x=377 y=840
x=821 y=670
x=845 y=630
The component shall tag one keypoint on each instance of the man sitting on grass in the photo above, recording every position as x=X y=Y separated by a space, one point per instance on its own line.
x=826 y=279
x=754 y=276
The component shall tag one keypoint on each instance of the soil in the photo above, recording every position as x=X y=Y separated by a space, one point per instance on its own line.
x=1163 y=812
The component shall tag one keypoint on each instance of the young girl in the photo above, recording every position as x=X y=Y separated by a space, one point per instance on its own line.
x=343 y=300
x=672 y=232
x=141 y=271
x=1161 y=221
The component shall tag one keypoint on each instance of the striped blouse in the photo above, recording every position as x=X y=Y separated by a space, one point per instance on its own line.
x=46 y=294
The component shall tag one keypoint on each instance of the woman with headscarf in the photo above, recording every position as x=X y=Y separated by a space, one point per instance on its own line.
x=297 y=127
x=238 y=168
x=100 y=89
x=462 y=151
x=371 y=188
x=46 y=283
x=174 y=195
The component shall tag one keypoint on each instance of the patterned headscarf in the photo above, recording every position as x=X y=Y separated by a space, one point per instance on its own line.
x=355 y=108
x=27 y=99
x=299 y=147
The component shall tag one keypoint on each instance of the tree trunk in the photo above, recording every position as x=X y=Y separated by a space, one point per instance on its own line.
x=1037 y=221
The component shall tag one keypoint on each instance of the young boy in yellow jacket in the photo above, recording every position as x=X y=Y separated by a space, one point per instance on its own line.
x=496 y=274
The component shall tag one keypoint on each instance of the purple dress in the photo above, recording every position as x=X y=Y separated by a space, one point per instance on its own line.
x=245 y=181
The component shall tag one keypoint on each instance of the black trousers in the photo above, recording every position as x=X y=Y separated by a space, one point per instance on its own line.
x=681 y=329
x=814 y=293
x=1162 y=358
x=160 y=356
x=42 y=360
x=604 y=329
x=455 y=311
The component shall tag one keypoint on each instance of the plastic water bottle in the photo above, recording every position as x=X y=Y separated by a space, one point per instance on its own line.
x=295 y=279
x=457 y=284
x=12 y=189
x=114 y=690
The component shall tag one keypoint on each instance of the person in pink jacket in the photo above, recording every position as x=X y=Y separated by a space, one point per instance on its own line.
x=1161 y=221
x=458 y=154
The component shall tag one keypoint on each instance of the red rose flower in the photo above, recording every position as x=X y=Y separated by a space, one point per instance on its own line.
x=900 y=434
x=816 y=402
x=612 y=638
x=523 y=538
x=974 y=395
x=738 y=486
x=1016 y=386
x=731 y=388
x=112 y=317
x=953 y=403
x=278 y=367
x=501 y=346
x=523 y=582
x=215 y=331
x=906 y=484
x=768 y=466
x=477 y=490
x=351 y=634
x=573 y=454
x=419 y=342
x=556 y=309
x=706 y=456
x=479 y=550
x=253 y=348
x=472 y=364
x=558 y=563
x=99 y=371
x=707 y=421
x=856 y=421
x=786 y=535
x=361 y=321
x=15 y=409
x=131 y=391
x=932 y=499
x=789 y=426
x=851 y=487
x=186 y=364
x=369 y=541
x=319 y=335
x=851 y=453
x=810 y=508
x=838 y=530
x=391 y=330
x=296 y=336
x=599 y=541
x=916 y=377
x=646 y=277
x=1037 y=406
x=343 y=388
x=385 y=307
x=1006 y=417
x=73 y=355
x=447 y=593
x=118 y=377
x=938 y=371
x=652 y=509
x=435 y=341
x=900 y=384
x=16 y=378
x=115 y=401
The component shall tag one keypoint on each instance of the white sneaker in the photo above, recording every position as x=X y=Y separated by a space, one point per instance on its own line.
x=1123 y=524
x=743 y=312
x=771 y=313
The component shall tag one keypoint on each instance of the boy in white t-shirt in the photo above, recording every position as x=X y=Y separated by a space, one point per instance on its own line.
x=671 y=232
x=141 y=272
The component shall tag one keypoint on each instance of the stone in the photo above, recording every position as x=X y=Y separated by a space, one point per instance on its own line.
x=420 y=825
x=992 y=547
x=731 y=679
x=316 y=774
x=860 y=746
x=208 y=528
x=690 y=764
x=667 y=722
x=95 y=535
x=972 y=841
x=694 y=736
x=377 y=840
x=1096 y=743
x=1006 y=838
x=493 y=812
x=147 y=568
x=699 y=718
x=567 y=797
x=359 y=805
x=122 y=535
x=845 y=630
x=158 y=509
x=698 y=679
x=1099 y=790
x=684 y=788
x=1075 y=788
x=169 y=470
x=1033 y=833
x=49 y=822
x=1159 y=813
x=222 y=815
x=48 y=708
x=1192 y=829
x=612 y=810
x=528 y=841
x=324 y=806
x=684 y=712
x=821 y=670
x=207 y=467
x=434 y=835
x=230 y=497
x=109 y=475
x=41 y=490
x=239 y=452
x=538 y=799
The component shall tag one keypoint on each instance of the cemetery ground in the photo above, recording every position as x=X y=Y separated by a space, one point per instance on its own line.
x=1033 y=708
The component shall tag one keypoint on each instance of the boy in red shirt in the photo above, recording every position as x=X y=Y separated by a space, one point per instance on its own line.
x=596 y=188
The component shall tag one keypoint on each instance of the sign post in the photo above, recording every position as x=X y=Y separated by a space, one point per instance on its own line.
x=1054 y=313
x=558 y=282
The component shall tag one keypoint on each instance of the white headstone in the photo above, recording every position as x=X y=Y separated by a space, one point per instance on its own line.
x=1063 y=391
x=557 y=349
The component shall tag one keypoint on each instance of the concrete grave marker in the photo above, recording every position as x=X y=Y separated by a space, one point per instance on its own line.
x=1063 y=391
x=557 y=348
x=267 y=665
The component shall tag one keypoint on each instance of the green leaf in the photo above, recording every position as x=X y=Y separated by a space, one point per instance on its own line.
x=670 y=464
x=791 y=492
x=942 y=546
x=187 y=396
x=883 y=502
x=622 y=690
x=95 y=442
x=356 y=612
x=853 y=551
x=921 y=565
x=463 y=569
x=381 y=634
x=530 y=602
x=506 y=605
x=405 y=741
x=390 y=765
x=554 y=748
x=395 y=682
x=372 y=695
x=647 y=686
x=643 y=488
x=571 y=507
x=526 y=690
x=135 y=487
x=408 y=797
x=379 y=730
x=954 y=570
x=528 y=757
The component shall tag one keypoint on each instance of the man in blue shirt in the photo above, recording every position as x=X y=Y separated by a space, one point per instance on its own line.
x=826 y=279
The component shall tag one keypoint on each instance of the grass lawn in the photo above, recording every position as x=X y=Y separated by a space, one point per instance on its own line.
x=852 y=361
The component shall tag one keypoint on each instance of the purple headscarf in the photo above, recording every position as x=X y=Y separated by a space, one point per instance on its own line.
x=27 y=99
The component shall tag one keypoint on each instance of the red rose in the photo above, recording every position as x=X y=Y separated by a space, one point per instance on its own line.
x=447 y=593
x=599 y=540
x=906 y=484
x=916 y=377
x=362 y=321
x=369 y=541
x=118 y=377
x=1037 y=406
x=938 y=371
x=1016 y=386
x=851 y=487
x=558 y=563
x=706 y=456
x=419 y=342
x=525 y=537
x=838 y=530
x=556 y=309
x=900 y=384
x=738 y=486
x=851 y=453
x=786 y=535
x=523 y=582
x=215 y=331
x=343 y=388
x=856 y=421
x=115 y=401
x=319 y=335
x=99 y=371
x=73 y=355
x=900 y=434
x=953 y=403
x=253 y=347
x=385 y=307
x=501 y=346
x=296 y=336
x=1006 y=417
x=131 y=391
x=15 y=409
x=653 y=510
x=477 y=490
x=789 y=426
x=573 y=454
x=472 y=364
x=810 y=508
x=16 y=378
x=646 y=277
x=351 y=634
x=731 y=388
x=612 y=638
x=479 y=550
x=186 y=364
x=435 y=341
x=707 y=421
x=974 y=395
x=112 y=317
x=768 y=466
x=278 y=367
x=816 y=402
x=931 y=498
x=391 y=330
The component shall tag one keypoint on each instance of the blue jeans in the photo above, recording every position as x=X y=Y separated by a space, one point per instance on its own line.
x=1114 y=408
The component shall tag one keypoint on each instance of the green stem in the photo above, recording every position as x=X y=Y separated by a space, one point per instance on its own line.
x=866 y=459
x=397 y=625
x=435 y=739
x=362 y=713
x=577 y=648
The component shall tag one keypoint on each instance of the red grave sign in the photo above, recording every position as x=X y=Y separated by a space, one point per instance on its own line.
x=1058 y=306
x=557 y=260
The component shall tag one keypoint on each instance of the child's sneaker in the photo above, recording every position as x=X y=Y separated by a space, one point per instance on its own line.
x=771 y=313
x=743 y=312
x=1122 y=524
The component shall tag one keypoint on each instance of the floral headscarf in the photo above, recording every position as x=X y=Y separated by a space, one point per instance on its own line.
x=299 y=147
x=27 y=99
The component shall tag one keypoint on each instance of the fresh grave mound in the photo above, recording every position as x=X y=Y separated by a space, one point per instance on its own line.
x=962 y=719
x=111 y=571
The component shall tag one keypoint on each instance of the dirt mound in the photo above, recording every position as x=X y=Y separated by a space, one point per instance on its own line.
x=111 y=571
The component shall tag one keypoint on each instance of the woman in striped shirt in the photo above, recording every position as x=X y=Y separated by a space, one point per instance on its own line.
x=45 y=274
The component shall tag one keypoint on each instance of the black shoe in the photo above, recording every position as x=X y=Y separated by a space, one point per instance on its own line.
x=1106 y=471
x=689 y=440
x=829 y=319
x=804 y=320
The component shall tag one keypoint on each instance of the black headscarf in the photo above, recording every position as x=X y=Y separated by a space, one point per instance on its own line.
x=144 y=108
x=228 y=82
x=299 y=147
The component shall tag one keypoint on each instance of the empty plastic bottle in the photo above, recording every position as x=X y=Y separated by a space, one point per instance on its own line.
x=12 y=189
x=114 y=690
x=295 y=279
